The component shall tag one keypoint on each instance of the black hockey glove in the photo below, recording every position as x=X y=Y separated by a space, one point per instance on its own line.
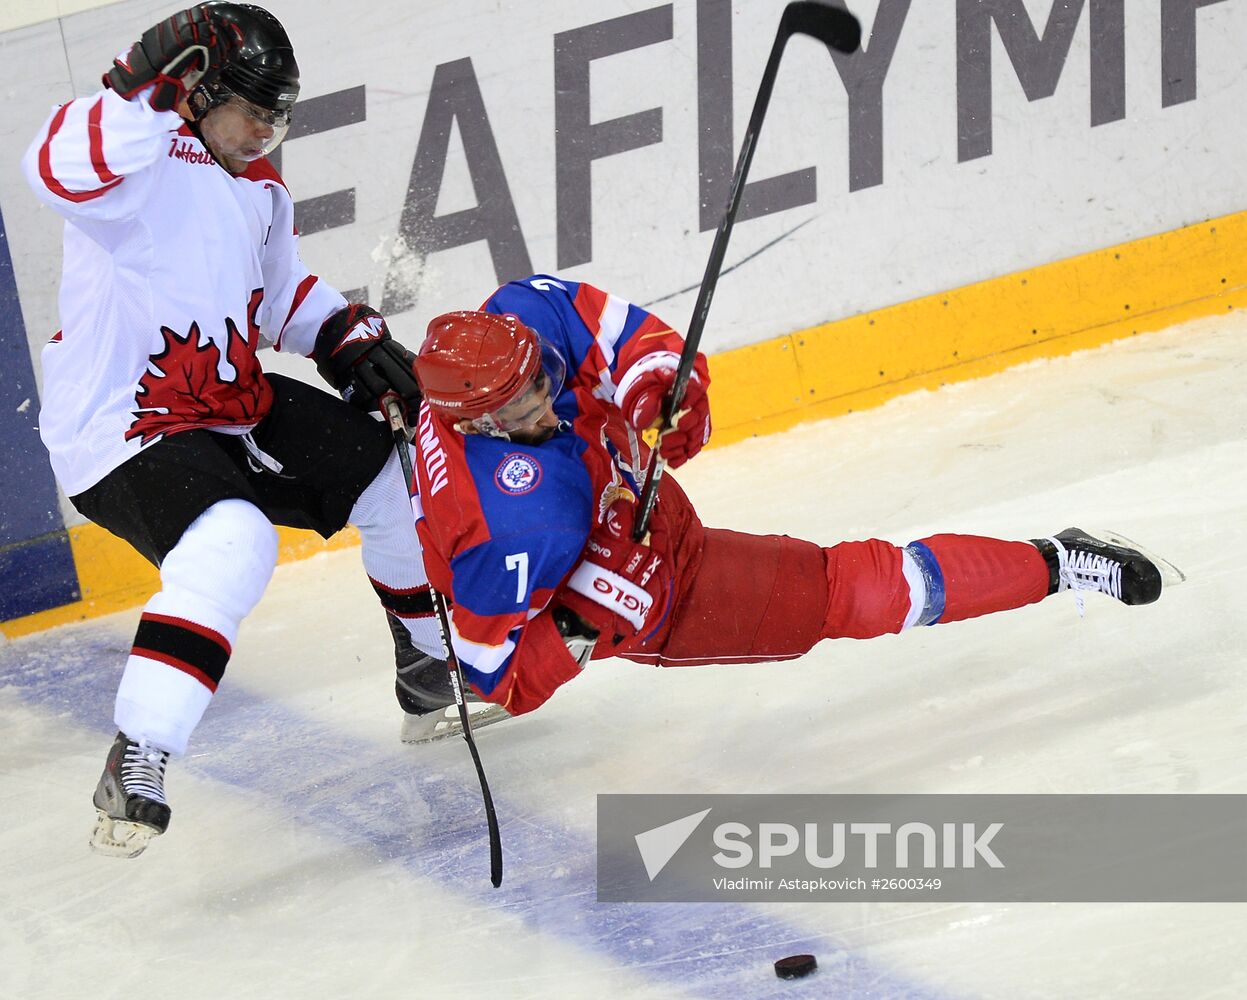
x=356 y=355
x=174 y=55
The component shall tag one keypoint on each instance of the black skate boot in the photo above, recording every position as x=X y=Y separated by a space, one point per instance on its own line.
x=423 y=689
x=1081 y=562
x=130 y=799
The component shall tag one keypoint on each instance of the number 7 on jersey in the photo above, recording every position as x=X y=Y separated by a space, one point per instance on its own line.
x=518 y=561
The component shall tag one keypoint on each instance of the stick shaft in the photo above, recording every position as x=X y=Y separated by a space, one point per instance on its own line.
x=834 y=27
x=394 y=414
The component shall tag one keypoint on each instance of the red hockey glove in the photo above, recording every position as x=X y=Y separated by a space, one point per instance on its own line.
x=174 y=55
x=643 y=401
x=356 y=355
x=620 y=586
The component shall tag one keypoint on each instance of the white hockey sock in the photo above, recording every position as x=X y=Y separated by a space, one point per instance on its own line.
x=392 y=556
x=210 y=581
x=918 y=590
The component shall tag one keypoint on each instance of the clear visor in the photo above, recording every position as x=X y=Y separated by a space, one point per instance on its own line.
x=275 y=123
x=533 y=403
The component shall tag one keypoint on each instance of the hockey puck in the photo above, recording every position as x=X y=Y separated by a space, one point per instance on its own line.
x=796 y=966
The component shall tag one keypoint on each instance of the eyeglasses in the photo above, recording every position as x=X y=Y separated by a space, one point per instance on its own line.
x=273 y=119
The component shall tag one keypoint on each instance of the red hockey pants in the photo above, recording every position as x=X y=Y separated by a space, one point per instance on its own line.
x=748 y=598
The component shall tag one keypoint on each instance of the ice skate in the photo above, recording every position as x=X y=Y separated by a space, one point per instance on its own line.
x=422 y=686
x=1083 y=563
x=130 y=799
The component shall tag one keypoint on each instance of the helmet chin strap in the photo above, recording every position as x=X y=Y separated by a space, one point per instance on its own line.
x=199 y=103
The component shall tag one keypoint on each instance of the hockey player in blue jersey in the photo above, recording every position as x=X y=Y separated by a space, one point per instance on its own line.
x=528 y=454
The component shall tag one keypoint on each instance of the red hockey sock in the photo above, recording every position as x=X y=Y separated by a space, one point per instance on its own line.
x=867 y=591
x=982 y=575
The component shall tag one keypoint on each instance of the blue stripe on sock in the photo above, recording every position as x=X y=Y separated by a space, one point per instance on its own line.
x=929 y=566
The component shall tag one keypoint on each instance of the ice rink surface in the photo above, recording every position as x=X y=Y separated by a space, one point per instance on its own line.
x=312 y=855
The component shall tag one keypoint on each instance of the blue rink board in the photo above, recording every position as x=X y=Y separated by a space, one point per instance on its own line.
x=549 y=882
x=36 y=564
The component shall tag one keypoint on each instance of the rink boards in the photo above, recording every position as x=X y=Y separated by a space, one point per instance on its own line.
x=857 y=363
x=961 y=198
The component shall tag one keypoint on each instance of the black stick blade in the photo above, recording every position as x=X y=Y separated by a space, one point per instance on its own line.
x=835 y=27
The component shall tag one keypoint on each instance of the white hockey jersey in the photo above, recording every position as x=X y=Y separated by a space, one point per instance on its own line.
x=174 y=272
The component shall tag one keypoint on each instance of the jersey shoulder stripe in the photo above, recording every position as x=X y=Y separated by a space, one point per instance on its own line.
x=262 y=170
x=108 y=179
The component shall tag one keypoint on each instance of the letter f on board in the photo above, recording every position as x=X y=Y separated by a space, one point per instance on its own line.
x=658 y=846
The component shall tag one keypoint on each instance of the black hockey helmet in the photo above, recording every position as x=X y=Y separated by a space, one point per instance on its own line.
x=263 y=71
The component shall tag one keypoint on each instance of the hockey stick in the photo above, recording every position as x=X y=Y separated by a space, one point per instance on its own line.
x=836 y=28
x=394 y=414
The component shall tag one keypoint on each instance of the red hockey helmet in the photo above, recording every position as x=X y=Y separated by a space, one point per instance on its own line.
x=480 y=366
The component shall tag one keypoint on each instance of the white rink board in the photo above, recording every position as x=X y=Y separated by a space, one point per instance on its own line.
x=311 y=855
x=930 y=216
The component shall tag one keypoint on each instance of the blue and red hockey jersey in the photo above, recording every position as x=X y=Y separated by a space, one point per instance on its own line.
x=504 y=524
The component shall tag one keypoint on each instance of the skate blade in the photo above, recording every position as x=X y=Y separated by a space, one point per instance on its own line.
x=434 y=727
x=119 y=838
x=1170 y=575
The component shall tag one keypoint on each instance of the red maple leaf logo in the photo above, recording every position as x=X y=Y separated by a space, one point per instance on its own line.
x=183 y=389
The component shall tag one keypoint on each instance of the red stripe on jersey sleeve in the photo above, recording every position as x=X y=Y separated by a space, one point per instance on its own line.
x=652 y=336
x=300 y=293
x=590 y=303
x=95 y=136
x=45 y=166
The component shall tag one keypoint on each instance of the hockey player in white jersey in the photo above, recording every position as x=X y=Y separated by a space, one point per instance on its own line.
x=180 y=261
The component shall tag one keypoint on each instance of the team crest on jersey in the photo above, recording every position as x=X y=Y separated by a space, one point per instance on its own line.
x=518 y=474
x=182 y=385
